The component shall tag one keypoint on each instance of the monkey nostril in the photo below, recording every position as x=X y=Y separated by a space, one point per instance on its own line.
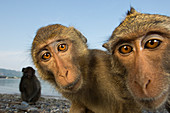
x=61 y=75
x=147 y=84
x=66 y=73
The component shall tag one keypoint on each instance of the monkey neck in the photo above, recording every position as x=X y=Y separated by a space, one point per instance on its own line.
x=99 y=83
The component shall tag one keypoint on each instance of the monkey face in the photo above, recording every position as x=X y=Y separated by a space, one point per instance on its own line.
x=143 y=59
x=56 y=57
x=141 y=43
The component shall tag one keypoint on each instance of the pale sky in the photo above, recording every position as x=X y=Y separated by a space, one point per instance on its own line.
x=95 y=19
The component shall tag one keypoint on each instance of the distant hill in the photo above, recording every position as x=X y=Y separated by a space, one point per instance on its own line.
x=10 y=73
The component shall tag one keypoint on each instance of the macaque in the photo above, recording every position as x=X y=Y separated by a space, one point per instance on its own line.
x=29 y=86
x=141 y=43
x=83 y=76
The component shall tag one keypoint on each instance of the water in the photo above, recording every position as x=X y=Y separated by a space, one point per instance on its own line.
x=11 y=86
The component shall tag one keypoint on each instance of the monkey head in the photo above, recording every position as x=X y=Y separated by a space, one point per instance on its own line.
x=141 y=43
x=28 y=72
x=55 y=50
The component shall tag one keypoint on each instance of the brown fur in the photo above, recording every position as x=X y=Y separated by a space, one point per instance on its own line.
x=98 y=89
x=29 y=86
x=148 y=69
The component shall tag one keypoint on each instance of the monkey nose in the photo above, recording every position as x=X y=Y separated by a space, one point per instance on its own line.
x=64 y=75
x=144 y=85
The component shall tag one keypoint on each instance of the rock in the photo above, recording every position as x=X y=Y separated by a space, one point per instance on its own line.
x=11 y=103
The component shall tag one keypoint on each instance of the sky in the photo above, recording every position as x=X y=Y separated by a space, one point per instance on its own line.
x=95 y=19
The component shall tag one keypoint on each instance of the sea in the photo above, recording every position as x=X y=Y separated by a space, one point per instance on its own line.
x=11 y=86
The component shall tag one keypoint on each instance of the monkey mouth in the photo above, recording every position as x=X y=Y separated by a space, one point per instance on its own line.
x=73 y=86
x=154 y=103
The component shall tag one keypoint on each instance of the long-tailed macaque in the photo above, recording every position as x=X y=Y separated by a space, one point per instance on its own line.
x=29 y=86
x=141 y=43
x=84 y=76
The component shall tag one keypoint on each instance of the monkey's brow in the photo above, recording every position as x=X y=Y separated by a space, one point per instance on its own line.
x=117 y=42
x=45 y=46
x=43 y=49
x=121 y=41
x=60 y=40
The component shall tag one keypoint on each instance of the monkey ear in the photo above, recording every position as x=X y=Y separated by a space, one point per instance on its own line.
x=84 y=39
x=80 y=35
x=23 y=69
x=105 y=45
x=132 y=11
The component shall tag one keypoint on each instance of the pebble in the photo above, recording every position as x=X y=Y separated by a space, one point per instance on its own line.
x=11 y=103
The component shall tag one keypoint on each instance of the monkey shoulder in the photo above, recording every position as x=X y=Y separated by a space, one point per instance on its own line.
x=100 y=62
x=100 y=55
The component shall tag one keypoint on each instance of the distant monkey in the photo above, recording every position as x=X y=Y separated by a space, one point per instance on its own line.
x=142 y=45
x=83 y=76
x=29 y=86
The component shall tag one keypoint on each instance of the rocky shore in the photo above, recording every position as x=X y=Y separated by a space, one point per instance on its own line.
x=12 y=103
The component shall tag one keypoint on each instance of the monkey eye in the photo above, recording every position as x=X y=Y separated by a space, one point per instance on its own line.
x=46 y=56
x=125 y=49
x=153 y=43
x=62 y=47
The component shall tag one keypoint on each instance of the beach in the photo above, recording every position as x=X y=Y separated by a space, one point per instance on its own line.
x=12 y=103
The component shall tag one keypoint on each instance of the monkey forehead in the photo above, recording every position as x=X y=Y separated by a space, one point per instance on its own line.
x=51 y=32
x=141 y=24
x=138 y=24
x=46 y=35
